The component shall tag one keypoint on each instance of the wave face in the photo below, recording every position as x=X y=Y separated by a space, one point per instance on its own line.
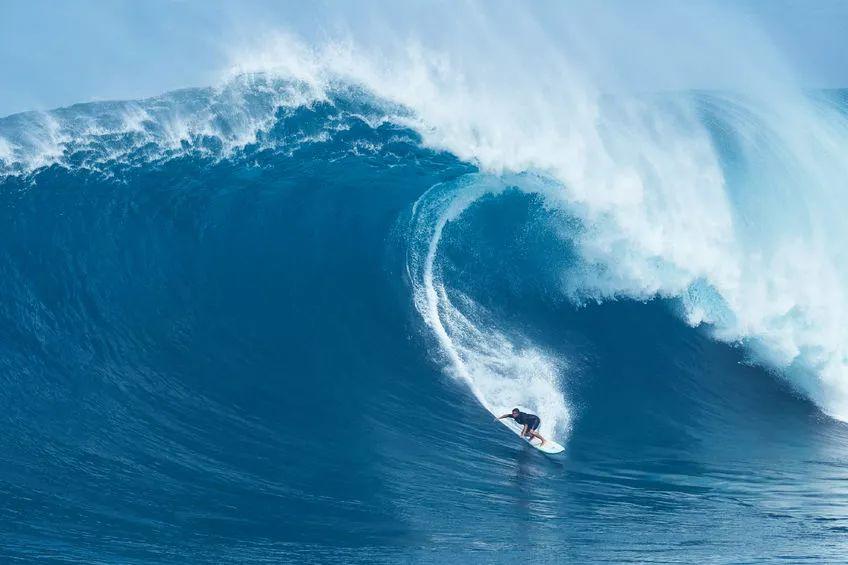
x=272 y=320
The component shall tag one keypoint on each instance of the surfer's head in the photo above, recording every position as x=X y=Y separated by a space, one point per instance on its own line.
x=516 y=411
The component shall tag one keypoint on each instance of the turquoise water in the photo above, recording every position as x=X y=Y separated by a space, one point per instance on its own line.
x=282 y=347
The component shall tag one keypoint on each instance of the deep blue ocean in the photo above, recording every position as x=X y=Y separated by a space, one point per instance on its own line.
x=238 y=326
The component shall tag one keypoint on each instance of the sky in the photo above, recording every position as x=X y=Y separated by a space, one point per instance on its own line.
x=58 y=53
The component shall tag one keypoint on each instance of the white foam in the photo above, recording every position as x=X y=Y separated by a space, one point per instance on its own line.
x=233 y=113
x=751 y=241
x=6 y=151
x=500 y=373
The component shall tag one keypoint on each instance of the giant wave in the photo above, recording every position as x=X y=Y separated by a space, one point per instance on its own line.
x=190 y=277
x=721 y=202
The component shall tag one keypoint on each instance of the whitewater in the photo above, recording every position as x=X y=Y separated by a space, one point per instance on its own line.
x=271 y=319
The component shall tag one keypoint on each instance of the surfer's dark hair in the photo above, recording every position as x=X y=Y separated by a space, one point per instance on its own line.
x=516 y=410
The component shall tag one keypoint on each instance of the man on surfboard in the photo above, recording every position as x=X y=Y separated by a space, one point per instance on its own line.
x=531 y=423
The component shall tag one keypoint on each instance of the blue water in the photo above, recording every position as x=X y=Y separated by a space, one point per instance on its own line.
x=213 y=352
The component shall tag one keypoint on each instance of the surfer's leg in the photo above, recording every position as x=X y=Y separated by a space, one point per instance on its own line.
x=537 y=435
x=531 y=431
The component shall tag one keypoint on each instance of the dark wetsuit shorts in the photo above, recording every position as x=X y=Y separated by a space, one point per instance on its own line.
x=530 y=420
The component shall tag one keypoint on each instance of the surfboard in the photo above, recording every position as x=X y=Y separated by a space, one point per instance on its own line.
x=551 y=447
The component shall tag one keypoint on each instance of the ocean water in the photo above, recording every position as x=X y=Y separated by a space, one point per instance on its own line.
x=271 y=321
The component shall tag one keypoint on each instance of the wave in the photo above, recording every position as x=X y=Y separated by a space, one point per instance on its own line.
x=727 y=203
x=272 y=318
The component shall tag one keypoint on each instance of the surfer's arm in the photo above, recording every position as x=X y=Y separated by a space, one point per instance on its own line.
x=504 y=416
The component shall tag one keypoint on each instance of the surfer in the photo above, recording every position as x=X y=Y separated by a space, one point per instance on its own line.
x=531 y=423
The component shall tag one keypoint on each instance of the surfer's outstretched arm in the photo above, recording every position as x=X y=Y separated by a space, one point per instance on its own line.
x=504 y=416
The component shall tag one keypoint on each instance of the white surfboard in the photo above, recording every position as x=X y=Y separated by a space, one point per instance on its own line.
x=550 y=446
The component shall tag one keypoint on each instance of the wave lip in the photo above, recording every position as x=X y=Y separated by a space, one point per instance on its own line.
x=212 y=122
